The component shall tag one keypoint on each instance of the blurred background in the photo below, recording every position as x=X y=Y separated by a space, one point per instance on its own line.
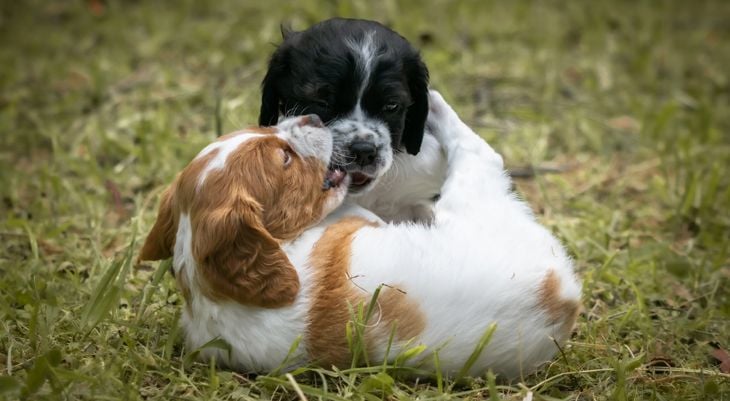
x=612 y=116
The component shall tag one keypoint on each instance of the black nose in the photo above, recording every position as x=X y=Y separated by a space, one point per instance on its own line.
x=363 y=152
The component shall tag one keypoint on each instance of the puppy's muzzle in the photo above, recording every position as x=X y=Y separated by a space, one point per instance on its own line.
x=363 y=153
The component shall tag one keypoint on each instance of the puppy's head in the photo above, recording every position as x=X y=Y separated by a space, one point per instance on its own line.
x=239 y=198
x=365 y=81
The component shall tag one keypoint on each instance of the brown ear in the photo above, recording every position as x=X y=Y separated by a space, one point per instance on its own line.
x=161 y=239
x=238 y=257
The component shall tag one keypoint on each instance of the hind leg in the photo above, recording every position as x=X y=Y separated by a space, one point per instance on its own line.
x=475 y=171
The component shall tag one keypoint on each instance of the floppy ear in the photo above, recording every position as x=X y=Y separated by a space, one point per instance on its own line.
x=239 y=259
x=161 y=239
x=269 y=113
x=270 y=99
x=417 y=75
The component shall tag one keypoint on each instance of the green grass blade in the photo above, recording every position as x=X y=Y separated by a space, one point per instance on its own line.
x=483 y=342
x=107 y=293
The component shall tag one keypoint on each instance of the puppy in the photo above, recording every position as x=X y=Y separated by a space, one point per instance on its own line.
x=370 y=87
x=252 y=277
x=226 y=213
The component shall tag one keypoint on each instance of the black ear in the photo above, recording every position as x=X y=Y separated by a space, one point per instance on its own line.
x=269 y=113
x=417 y=75
x=278 y=68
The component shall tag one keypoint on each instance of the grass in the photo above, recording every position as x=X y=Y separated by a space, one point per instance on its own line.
x=622 y=108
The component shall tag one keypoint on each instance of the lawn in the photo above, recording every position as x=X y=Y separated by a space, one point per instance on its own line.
x=613 y=116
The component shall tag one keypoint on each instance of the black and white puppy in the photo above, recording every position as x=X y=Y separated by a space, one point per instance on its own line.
x=365 y=81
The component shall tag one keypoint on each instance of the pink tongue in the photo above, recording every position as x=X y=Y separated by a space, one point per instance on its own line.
x=359 y=179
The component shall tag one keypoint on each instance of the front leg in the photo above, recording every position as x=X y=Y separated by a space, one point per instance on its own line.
x=475 y=172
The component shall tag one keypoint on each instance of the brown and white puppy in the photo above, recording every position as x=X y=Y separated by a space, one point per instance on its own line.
x=233 y=223
x=230 y=208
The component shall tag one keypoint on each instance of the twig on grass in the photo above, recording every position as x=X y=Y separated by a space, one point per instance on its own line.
x=296 y=387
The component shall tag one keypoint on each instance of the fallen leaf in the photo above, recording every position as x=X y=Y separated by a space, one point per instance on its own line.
x=724 y=358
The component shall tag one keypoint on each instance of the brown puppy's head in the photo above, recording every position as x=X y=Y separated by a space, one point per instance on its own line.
x=227 y=211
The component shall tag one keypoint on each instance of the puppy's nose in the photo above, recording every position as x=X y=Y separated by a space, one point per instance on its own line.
x=311 y=120
x=363 y=152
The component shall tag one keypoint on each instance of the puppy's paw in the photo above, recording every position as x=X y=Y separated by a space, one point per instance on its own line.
x=452 y=133
x=442 y=119
x=437 y=104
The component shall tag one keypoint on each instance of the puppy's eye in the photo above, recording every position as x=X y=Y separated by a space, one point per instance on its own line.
x=391 y=107
x=285 y=155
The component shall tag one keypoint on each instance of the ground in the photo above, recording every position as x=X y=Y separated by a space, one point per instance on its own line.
x=613 y=116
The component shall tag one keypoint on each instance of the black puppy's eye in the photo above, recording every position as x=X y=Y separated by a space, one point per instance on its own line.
x=391 y=107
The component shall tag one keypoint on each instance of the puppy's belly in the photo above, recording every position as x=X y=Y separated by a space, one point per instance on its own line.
x=460 y=294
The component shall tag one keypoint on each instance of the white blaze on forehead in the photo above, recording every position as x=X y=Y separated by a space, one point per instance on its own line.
x=366 y=52
x=225 y=148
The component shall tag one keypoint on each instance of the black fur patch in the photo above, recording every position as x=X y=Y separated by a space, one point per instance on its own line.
x=315 y=71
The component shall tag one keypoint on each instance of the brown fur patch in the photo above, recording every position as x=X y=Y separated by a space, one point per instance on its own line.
x=328 y=313
x=560 y=311
x=399 y=310
x=242 y=213
x=238 y=216
x=176 y=198
x=333 y=290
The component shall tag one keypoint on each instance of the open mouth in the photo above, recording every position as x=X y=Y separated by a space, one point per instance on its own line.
x=359 y=180
x=334 y=178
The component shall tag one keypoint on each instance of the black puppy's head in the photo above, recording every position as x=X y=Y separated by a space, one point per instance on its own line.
x=366 y=82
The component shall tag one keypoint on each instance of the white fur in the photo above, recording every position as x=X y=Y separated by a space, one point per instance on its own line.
x=255 y=347
x=406 y=192
x=357 y=125
x=248 y=329
x=307 y=140
x=482 y=261
x=404 y=185
x=224 y=147
x=366 y=51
